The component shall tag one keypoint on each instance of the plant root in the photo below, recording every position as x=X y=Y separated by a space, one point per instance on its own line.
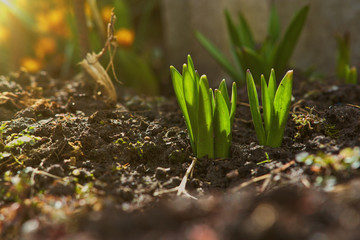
x=181 y=189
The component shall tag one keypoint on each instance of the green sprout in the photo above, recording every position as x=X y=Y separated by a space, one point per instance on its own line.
x=276 y=106
x=350 y=75
x=208 y=115
x=272 y=53
x=343 y=69
x=348 y=158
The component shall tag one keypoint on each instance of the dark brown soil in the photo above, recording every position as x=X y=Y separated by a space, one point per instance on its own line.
x=74 y=167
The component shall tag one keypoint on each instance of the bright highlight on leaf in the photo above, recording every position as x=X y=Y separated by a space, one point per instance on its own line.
x=208 y=115
x=276 y=106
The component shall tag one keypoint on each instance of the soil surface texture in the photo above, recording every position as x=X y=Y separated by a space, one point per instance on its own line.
x=74 y=167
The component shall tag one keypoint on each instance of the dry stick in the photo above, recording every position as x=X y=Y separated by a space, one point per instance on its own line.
x=263 y=177
x=110 y=39
x=352 y=105
x=110 y=34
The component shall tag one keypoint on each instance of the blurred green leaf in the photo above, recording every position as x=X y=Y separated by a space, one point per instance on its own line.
x=287 y=44
x=218 y=56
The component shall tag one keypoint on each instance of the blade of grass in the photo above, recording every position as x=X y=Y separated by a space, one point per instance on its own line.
x=191 y=67
x=205 y=140
x=274 y=25
x=267 y=105
x=212 y=100
x=233 y=103
x=272 y=85
x=343 y=54
x=224 y=92
x=287 y=44
x=222 y=127
x=254 y=108
x=177 y=81
x=282 y=103
x=219 y=57
x=234 y=35
x=351 y=75
x=245 y=34
x=191 y=95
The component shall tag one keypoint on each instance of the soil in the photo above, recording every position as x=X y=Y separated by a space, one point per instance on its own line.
x=73 y=166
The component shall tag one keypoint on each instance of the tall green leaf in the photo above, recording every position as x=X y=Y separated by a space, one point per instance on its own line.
x=190 y=65
x=178 y=85
x=219 y=57
x=137 y=72
x=224 y=92
x=222 y=129
x=287 y=45
x=233 y=104
x=343 y=54
x=272 y=85
x=192 y=102
x=205 y=140
x=350 y=75
x=245 y=34
x=282 y=98
x=282 y=103
x=274 y=25
x=233 y=33
x=267 y=105
x=255 y=109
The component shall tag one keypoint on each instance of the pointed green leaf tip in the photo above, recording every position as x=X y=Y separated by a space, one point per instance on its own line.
x=208 y=116
x=276 y=107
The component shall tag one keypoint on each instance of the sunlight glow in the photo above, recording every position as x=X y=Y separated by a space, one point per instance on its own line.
x=13 y=7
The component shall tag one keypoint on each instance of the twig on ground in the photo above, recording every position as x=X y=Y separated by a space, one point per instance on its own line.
x=263 y=177
x=181 y=189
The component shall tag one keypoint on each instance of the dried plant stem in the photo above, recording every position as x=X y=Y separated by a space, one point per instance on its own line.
x=92 y=66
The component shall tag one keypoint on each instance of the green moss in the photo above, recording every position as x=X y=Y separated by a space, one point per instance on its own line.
x=133 y=147
x=307 y=122
x=331 y=130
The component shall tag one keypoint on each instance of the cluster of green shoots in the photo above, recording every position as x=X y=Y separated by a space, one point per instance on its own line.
x=209 y=117
x=343 y=69
x=276 y=106
x=274 y=53
x=208 y=114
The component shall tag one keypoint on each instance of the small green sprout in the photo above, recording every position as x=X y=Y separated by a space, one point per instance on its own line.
x=348 y=158
x=274 y=52
x=208 y=115
x=350 y=75
x=343 y=69
x=276 y=106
